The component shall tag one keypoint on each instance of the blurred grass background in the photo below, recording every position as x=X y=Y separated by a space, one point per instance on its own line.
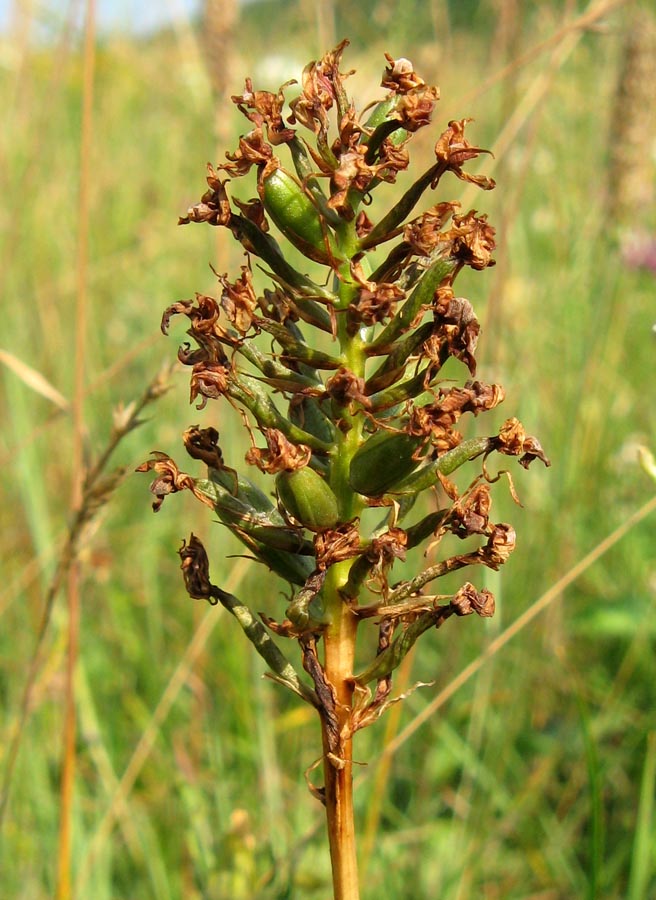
x=534 y=778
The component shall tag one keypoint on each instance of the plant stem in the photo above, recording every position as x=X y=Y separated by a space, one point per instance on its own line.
x=340 y=634
x=339 y=640
x=69 y=752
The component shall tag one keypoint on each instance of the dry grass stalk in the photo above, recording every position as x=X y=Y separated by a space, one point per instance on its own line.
x=631 y=196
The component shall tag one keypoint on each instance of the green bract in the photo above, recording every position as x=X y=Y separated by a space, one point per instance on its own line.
x=308 y=499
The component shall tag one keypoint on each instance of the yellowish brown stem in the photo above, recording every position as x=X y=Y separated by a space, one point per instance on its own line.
x=338 y=754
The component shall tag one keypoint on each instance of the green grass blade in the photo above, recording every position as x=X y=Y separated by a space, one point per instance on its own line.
x=643 y=856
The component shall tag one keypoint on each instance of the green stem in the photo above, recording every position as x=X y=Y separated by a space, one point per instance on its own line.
x=340 y=633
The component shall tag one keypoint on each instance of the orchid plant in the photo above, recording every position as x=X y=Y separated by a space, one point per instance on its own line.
x=349 y=409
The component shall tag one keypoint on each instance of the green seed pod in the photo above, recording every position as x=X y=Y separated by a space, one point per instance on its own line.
x=306 y=169
x=268 y=528
x=295 y=215
x=424 y=528
x=382 y=462
x=378 y=115
x=308 y=498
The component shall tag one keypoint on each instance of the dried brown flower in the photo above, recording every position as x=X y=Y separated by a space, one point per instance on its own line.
x=280 y=456
x=424 y=233
x=375 y=301
x=414 y=109
x=169 y=479
x=472 y=240
x=265 y=108
x=253 y=150
x=239 y=300
x=386 y=548
x=470 y=514
x=455 y=332
x=337 y=544
x=347 y=388
x=322 y=86
x=203 y=444
x=209 y=381
x=500 y=545
x=400 y=76
x=513 y=441
x=196 y=571
x=214 y=206
x=453 y=150
x=468 y=600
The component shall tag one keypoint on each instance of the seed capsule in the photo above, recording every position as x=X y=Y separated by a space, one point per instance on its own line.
x=308 y=498
x=382 y=462
x=295 y=214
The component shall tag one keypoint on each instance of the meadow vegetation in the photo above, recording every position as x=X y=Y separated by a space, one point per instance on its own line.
x=533 y=776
